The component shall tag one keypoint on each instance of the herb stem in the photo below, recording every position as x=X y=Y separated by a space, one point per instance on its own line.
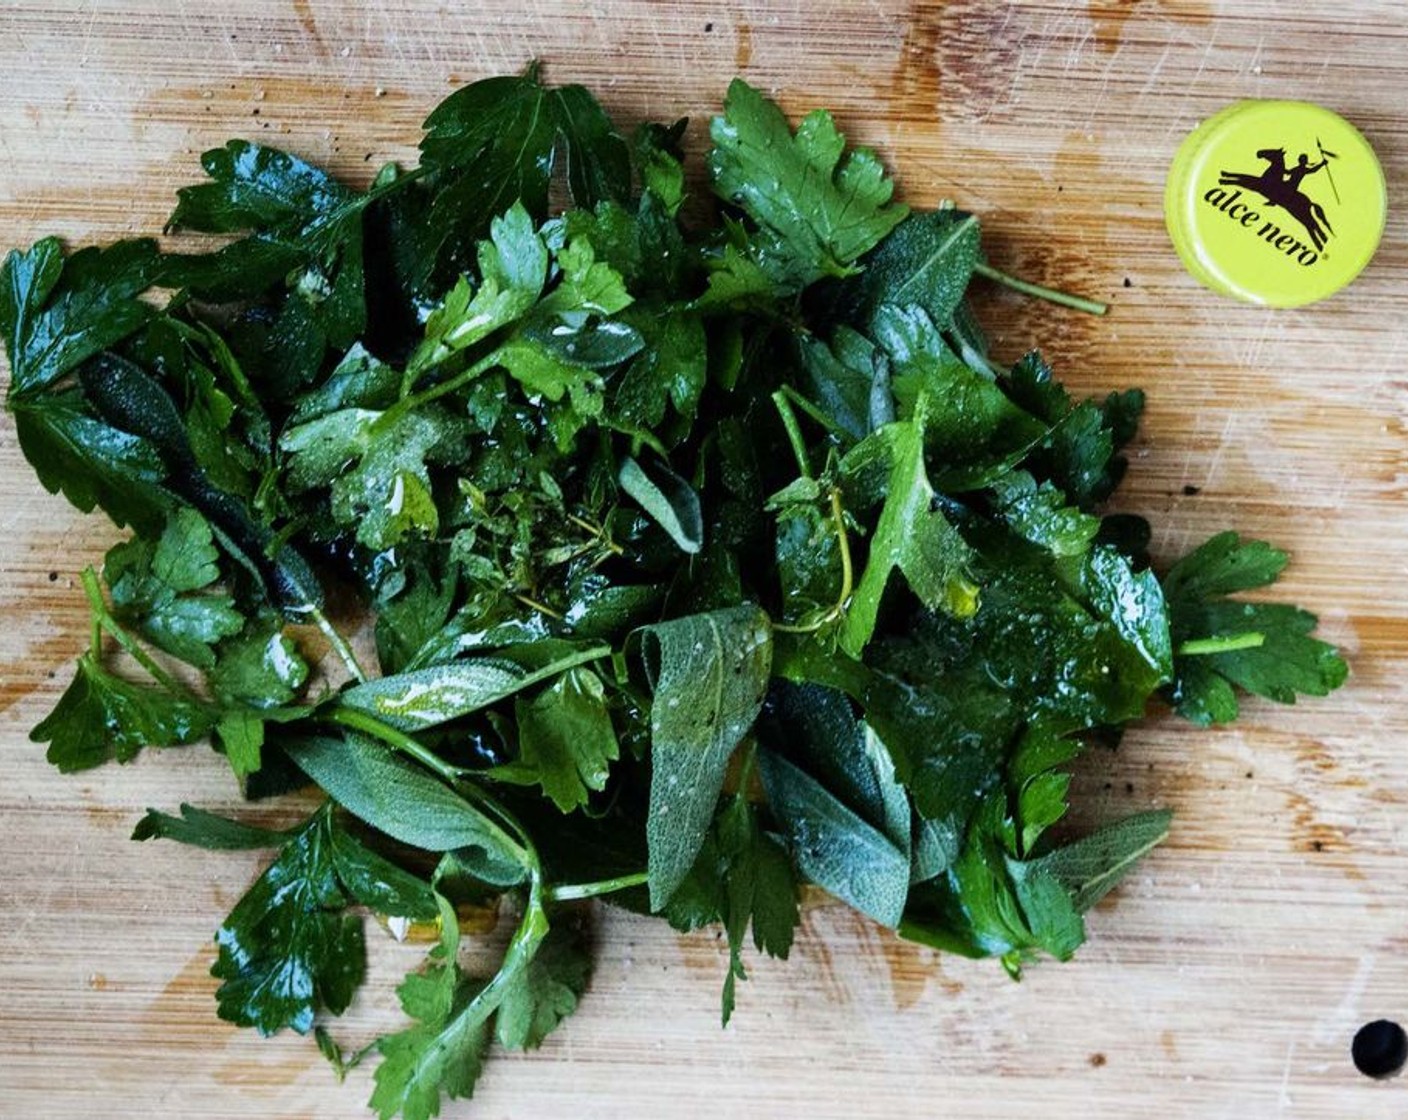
x=493 y=806
x=95 y=640
x=97 y=609
x=412 y=401
x=597 y=531
x=811 y=410
x=794 y=432
x=541 y=608
x=396 y=739
x=569 y=892
x=838 y=521
x=1051 y=295
x=339 y=644
x=1202 y=647
x=103 y=621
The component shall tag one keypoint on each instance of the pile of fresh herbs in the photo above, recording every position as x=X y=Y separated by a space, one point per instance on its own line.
x=706 y=558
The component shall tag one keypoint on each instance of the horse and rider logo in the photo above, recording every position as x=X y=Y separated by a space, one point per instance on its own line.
x=1280 y=185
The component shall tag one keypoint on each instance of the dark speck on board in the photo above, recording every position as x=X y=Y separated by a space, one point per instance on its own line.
x=1097 y=1060
x=1190 y=490
x=708 y=27
x=1128 y=283
x=1380 y=1048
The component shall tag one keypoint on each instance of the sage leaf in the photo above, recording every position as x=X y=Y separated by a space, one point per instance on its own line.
x=709 y=673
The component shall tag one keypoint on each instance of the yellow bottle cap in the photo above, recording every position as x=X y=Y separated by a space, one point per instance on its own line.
x=1280 y=203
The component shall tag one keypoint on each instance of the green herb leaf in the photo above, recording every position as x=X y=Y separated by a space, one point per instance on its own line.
x=545 y=992
x=206 y=830
x=1281 y=662
x=444 y=1051
x=305 y=234
x=101 y=716
x=1038 y=513
x=927 y=260
x=404 y=802
x=760 y=889
x=513 y=266
x=55 y=313
x=669 y=500
x=598 y=160
x=565 y=739
x=288 y=948
x=421 y=698
x=260 y=669
x=911 y=535
x=834 y=847
x=709 y=675
x=1091 y=867
x=153 y=590
x=824 y=212
x=92 y=463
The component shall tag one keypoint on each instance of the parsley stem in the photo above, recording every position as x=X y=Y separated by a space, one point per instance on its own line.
x=104 y=621
x=541 y=608
x=811 y=410
x=569 y=892
x=1051 y=295
x=794 y=432
x=95 y=641
x=413 y=401
x=1202 y=647
x=97 y=609
x=599 y=532
x=339 y=644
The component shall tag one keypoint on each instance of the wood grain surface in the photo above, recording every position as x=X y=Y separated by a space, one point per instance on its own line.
x=1226 y=978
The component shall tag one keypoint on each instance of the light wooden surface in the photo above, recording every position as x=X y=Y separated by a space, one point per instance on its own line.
x=1225 y=979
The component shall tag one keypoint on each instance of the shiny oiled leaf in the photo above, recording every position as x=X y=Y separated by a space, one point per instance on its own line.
x=421 y=698
x=261 y=668
x=153 y=589
x=565 y=739
x=289 y=948
x=90 y=462
x=825 y=211
x=910 y=535
x=57 y=313
x=101 y=716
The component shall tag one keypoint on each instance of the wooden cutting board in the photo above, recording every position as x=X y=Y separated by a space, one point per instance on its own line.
x=1226 y=978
